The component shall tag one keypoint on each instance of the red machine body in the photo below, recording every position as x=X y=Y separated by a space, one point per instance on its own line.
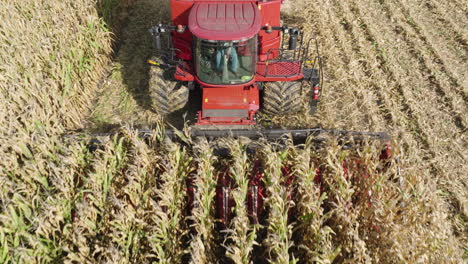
x=232 y=22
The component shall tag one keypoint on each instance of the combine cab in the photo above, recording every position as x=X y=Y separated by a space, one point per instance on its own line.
x=243 y=61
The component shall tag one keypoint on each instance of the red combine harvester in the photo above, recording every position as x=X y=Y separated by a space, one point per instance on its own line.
x=244 y=61
x=232 y=50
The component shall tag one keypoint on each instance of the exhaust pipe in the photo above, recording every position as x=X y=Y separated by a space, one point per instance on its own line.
x=156 y=33
x=293 y=36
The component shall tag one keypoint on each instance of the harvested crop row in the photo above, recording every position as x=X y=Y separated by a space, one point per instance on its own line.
x=447 y=164
x=345 y=80
x=434 y=125
x=398 y=101
x=454 y=14
x=363 y=74
x=388 y=254
x=448 y=91
x=406 y=94
x=375 y=57
x=416 y=91
x=417 y=131
x=438 y=33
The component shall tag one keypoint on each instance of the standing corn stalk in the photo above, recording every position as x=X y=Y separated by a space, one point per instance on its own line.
x=202 y=242
x=241 y=233
x=313 y=235
x=279 y=238
x=168 y=229
x=346 y=205
x=132 y=214
x=36 y=216
x=94 y=205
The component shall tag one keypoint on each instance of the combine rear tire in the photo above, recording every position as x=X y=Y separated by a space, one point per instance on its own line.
x=167 y=95
x=281 y=98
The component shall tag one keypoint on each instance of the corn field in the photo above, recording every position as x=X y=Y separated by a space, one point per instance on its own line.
x=73 y=68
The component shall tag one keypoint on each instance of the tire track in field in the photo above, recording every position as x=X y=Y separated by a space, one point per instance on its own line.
x=452 y=28
x=446 y=98
x=423 y=66
x=412 y=116
x=364 y=64
x=357 y=78
x=409 y=115
x=455 y=13
x=384 y=71
x=339 y=70
x=418 y=56
x=444 y=153
x=411 y=18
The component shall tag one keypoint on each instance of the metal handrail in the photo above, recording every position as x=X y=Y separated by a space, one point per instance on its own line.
x=299 y=55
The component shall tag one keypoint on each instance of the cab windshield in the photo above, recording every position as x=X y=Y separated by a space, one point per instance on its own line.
x=225 y=62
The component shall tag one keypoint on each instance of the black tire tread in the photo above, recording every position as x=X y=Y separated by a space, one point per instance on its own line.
x=167 y=95
x=281 y=98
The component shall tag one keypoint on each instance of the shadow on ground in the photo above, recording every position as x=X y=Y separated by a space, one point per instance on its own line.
x=124 y=98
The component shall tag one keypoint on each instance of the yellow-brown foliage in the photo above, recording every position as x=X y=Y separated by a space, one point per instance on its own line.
x=396 y=66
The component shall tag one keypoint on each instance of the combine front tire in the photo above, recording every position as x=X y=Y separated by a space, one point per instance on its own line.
x=167 y=95
x=281 y=98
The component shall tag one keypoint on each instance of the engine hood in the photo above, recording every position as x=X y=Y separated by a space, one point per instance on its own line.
x=225 y=21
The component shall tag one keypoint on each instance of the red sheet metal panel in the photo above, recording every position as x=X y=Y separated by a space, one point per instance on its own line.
x=270 y=11
x=182 y=42
x=229 y=105
x=225 y=20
